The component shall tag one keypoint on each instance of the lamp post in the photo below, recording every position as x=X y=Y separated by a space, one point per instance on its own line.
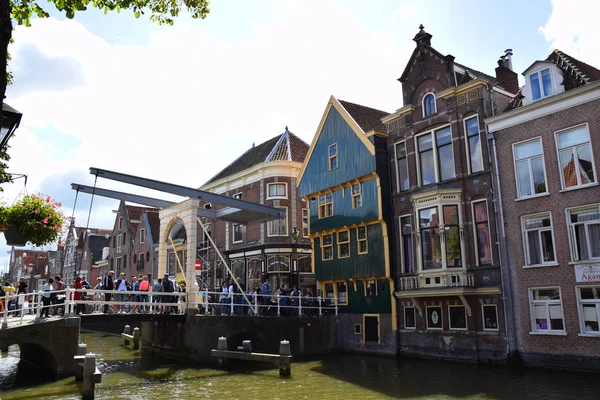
x=11 y=119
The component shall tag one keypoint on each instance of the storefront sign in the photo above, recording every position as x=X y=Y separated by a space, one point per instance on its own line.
x=587 y=273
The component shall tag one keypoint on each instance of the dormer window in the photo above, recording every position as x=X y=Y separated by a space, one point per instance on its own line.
x=428 y=105
x=541 y=84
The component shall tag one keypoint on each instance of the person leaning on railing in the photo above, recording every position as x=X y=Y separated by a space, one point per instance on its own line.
x=47 y=297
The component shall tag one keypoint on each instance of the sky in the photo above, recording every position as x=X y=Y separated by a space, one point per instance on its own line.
x=179 y=103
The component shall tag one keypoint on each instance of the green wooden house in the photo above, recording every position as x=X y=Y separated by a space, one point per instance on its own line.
x=345 y=183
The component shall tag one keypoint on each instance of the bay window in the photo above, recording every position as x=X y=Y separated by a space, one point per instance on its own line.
x=576 y=158
x=440 y=237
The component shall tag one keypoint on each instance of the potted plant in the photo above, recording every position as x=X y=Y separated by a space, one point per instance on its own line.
x=33 y=218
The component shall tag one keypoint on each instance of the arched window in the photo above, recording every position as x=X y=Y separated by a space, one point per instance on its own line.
x=428 y=105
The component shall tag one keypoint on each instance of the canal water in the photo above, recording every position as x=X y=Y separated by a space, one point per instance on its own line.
x=128 y=374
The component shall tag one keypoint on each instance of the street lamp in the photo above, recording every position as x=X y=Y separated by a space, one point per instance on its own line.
x=11 y=119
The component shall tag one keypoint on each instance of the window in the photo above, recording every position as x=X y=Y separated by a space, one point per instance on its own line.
x=370 y=287
x=401 y=167
x=326 y=205
x=584 y=232
x=490 y=317
x=435 y=252
x=408 y=261
x=140 y=262
x=343 y=239
x=458 y=317
x=327 y=247
x=278 y=227
x=238 y=196
x=356 y=195
x=208 y=206
x=120 y=222
x=342 y=290
x=305 y=222
x=361 y=237
x=436 y=158
x=333 y=160
x=119 y=243
x=238 y=230
x=434 y=317
x=119 y=265
x=576 y=158
x=545 y=89
x=529 y=168
x=474 y=144
x=588 y=302
x=142 y=236
x=276 y=191
x=410 y=320
x=539 y=240
x=546 y=310
x=481 y=224
x=171 y=264
x=428 y=105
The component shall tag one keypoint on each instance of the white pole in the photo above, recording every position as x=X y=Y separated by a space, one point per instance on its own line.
x=38 y=316
x=278 y=307
x=21 y=322
x=300 y=305
x=335 y=299
x=231 y=296
x=67 y=312
x=320 y=306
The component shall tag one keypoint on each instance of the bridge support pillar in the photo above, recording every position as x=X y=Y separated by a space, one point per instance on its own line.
x=284 y=363
x=222 y=345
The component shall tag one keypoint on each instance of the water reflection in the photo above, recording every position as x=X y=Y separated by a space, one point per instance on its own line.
x=129 y=375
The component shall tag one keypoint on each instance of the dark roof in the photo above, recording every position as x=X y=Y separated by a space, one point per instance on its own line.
x=577 y=73
x=135 y=212
x=284 y=147
x=154 y=223
x=366 y=117
x=477 y=74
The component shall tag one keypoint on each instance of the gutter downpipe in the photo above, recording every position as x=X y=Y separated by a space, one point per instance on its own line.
x=499 y=207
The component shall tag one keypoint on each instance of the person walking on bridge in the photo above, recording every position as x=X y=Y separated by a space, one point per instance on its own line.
x=21 y=290
x=168 y=287
x=46 y=297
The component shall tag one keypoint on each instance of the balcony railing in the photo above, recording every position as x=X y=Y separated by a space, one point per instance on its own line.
x=440 y=280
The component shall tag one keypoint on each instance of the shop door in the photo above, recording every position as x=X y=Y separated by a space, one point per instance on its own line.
x=372 y=329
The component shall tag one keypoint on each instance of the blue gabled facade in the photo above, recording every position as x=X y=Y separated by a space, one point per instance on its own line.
x=344 y=181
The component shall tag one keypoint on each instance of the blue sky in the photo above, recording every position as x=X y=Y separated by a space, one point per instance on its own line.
x=180 y=103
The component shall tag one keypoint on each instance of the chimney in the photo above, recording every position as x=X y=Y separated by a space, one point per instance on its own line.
x=506 y=77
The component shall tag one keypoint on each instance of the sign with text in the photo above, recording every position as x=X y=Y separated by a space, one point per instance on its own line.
x=587 y=273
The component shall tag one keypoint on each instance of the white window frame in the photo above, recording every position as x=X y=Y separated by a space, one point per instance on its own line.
x=414 y=311
x=538 y=72
x=581 y=302
x=119 y=243
x=547 y=303
x=514 y=149
x=357 y=195
x=558 y=149
x=475 y=237
x=524 y=231
x=286 y=233
x=436 y=161
x=277 y=197
x=324 y=246
x=483 y=306
x=332 y=157
x=441 y=318
x=241 y=233
x=340 y=243
x=142 y=235
x=239 y=195
x=305 y=222
x=434 y=104
x=398 y=184
x=452 y=328
x=570 y=228
x=468 y=146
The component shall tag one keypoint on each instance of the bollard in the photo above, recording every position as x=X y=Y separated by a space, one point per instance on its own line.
x=284 y=362
x=222 y=345
x=81 y=350
x=89 y=380
x=127 y=332
x=136 y=338
x=247 y=346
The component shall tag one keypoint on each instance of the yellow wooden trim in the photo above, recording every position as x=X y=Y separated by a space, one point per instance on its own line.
x=435 y=292
x=343 y=228
x=401 y=112
x=333 y=102
x=462 y=89
x=378 y=327
x=394 y=305
x=378 y=134
x=339 y=243
x=328 y=245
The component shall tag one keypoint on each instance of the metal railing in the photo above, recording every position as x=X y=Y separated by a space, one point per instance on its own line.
x=71 y=302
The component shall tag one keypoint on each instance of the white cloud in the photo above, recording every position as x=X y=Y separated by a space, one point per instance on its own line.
x=578 y=37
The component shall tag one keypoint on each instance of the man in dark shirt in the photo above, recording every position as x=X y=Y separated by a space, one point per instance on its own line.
x=168 y=287
x=21 y=289
x=107 y=284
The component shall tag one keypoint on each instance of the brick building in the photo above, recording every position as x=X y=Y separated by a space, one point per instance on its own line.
x=547 y=149
x=447 y=264
x=277 y=250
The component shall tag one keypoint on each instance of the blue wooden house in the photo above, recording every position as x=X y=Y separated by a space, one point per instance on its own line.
x=346 y=184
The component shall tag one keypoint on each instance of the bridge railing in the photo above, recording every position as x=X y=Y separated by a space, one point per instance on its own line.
x=257 y=304
x=27 y=303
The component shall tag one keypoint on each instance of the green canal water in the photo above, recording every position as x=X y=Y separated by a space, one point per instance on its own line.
x=128 y=374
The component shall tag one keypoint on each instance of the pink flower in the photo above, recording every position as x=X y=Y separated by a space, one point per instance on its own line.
x=36 y=211
x=45 y=221
x=48 y=199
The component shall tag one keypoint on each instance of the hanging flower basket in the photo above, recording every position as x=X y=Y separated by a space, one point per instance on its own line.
x=14 y=237
x=34 y=218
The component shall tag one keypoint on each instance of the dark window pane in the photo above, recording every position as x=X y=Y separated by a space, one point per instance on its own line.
x=490 y=317
x=475 y=156
x=457 y=318
x=409 y=317
x=434 y=317
x=535 y=86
